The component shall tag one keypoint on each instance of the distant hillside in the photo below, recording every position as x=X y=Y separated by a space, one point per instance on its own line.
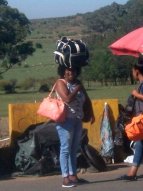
x=98 y=29
x=107 y=19
x=56 y=27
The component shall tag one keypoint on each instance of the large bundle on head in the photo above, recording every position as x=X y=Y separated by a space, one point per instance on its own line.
x=71 y=53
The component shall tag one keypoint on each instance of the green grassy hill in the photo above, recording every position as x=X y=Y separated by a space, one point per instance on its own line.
x=46 y=32
x=108 y=23
x=39 y=66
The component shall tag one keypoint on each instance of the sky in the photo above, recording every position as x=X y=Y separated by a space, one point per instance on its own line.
x=34 y=9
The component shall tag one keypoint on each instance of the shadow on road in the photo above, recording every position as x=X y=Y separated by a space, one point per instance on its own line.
x=109 y=180
x=116 y=166
x=6 y=177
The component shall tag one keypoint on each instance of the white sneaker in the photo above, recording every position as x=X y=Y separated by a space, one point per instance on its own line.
x=69 y=185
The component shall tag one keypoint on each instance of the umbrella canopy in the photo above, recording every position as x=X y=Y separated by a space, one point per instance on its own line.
x=130 y=44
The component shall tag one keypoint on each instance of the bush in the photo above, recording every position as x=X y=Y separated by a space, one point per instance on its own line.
x=48 y=81
x=26 y=65
x=28 y=84
x=38 y=45
x=2 y=84
x=44 y=88
x=8 y=86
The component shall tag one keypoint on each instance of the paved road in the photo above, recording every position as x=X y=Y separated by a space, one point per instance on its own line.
x=103 y=181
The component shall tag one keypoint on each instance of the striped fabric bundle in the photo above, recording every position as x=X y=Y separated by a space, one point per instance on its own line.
x=71 y=53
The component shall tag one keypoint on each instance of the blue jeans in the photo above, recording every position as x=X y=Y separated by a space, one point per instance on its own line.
x=70 y=135
x=138 y=155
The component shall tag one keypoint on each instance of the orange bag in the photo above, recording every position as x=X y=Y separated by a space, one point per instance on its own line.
x=134 y=130
x=52 y=108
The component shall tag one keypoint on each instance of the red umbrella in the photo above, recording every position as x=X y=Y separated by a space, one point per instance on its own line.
x=130 y=44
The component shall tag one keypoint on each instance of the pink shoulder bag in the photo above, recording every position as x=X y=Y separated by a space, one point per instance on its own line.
x=52 y=108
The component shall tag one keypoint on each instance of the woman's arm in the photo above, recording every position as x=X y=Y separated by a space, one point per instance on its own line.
x=87 y=107
x=138 y=95
x=63 y=91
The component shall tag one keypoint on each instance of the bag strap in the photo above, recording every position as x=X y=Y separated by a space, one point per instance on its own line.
x=135 y=99
x=140 y=86
x=53 y=88
x=139 y=92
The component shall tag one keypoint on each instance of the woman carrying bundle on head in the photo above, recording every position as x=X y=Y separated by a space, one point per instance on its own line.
x=72 y=92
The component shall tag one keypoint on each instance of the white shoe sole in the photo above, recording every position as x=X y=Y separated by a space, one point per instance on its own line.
x=68 y=186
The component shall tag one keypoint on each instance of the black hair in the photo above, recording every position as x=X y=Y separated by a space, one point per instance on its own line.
x=139 y=65
x=62 y=68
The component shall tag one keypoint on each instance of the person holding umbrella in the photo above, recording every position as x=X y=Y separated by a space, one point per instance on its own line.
x=132 y=44
x=137 y=72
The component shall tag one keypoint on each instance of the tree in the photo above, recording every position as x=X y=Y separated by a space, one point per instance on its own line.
x=3 y=2
x=14 y=27
x=109 y=24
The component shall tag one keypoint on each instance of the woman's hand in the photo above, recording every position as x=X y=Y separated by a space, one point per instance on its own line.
x=138 y=95
x=135 y=93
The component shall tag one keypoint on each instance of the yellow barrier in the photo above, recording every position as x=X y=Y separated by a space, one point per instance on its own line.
x=23 y=115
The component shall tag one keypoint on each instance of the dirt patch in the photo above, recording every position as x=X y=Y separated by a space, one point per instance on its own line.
x=4 y=132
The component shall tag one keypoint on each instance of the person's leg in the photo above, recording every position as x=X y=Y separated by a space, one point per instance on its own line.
x=77 y=131
x=133 y=171
x=138 y=156
x=65 y=135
